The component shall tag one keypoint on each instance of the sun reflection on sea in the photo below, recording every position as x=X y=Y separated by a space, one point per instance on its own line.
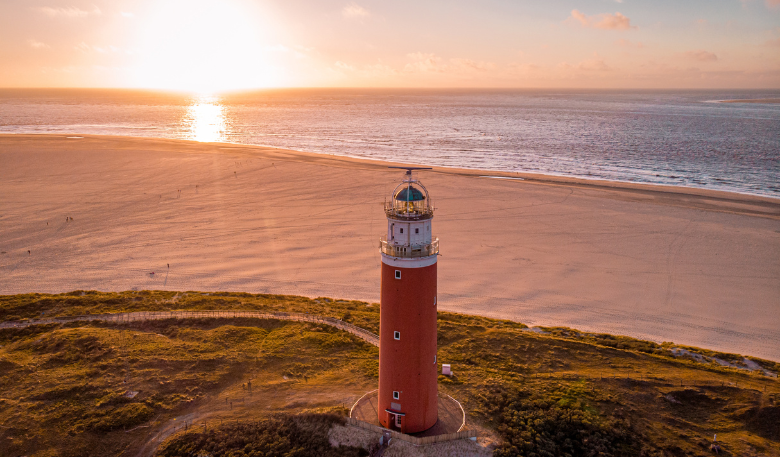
x=206 y=120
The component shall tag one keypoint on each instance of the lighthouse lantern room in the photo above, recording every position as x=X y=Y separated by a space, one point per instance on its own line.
x=408 y=394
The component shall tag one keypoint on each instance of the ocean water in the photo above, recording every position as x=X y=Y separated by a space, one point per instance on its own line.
x=681 y=138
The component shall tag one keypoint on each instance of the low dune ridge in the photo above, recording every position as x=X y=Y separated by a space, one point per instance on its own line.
x=692 y=266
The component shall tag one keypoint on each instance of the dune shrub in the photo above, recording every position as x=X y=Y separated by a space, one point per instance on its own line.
x=546 y=425
x=275 y=436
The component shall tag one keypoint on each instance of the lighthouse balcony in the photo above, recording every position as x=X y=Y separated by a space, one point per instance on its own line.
x=409 y=252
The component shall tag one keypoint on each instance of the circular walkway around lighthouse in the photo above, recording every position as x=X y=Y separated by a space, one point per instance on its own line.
x=451 y=419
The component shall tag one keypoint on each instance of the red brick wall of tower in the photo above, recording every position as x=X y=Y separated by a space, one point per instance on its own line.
x=408 y=365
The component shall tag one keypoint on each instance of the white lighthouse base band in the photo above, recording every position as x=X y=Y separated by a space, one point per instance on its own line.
x=417 y=262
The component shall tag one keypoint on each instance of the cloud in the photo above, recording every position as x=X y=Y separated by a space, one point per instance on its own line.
x=771 y=4
x=345 y=66
x=303 y=49
x=69 y=11
x=593 y=65
x=526 y=70
x=86 y=48
x=623 y=43
x=37 y=44
x=421 y=64
x=424 y=63
x=126 y=14
x=354 y=11
x=468 y=64
x=376 y=70
x=431 y=63
x=379 y=69
x=604 y=21
x=701 y=56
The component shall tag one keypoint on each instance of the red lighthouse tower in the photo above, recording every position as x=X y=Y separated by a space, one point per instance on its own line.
x=408 y=394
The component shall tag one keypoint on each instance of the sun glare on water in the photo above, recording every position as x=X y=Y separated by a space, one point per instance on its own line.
x=205 y=120
x=205 y=46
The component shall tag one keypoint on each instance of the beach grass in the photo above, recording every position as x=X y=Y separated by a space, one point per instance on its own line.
x=98 y=388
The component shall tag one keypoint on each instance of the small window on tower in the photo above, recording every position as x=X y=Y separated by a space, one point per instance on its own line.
x=434 y=301
x=396 y=395
x=402 y=230
x=416 y=230
x=397 y=274
x=428 y=227
x=396 y=335
x=434 y=360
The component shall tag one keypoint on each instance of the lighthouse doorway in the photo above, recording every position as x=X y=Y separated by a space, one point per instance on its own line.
x=396 y=420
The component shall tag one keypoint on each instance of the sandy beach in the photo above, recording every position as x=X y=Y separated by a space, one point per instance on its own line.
x=691 y=266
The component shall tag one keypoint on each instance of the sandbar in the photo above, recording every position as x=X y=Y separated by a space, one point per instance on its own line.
x=692 y=266
x=767 y=101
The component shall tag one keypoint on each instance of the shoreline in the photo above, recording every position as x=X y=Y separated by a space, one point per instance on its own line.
x=527 y=176
x=698 y=267
x=539 y=178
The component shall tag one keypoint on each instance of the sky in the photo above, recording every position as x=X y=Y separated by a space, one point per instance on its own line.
x=209 y=45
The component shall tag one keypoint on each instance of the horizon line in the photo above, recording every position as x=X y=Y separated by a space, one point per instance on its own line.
x=443 y=88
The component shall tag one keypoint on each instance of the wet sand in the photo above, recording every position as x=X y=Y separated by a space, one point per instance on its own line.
x=691 y=266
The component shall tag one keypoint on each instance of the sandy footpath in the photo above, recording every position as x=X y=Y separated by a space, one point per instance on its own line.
x=693 y=267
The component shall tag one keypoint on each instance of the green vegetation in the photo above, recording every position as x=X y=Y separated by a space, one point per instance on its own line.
x=537 y=423
x=80 y=302
x=94 y=388
x=66 y=389
x=276 y=436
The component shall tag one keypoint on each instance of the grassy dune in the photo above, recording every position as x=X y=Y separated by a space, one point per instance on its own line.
x=93 y=388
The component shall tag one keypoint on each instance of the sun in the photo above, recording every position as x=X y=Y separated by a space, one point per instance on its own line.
x=205 y=46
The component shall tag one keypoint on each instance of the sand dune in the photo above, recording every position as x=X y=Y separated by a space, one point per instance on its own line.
x=690 y=266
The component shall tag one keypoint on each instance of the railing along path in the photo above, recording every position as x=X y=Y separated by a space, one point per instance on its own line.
x=140 y=316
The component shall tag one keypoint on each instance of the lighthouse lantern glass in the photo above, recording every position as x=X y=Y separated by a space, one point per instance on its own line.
x=410 y=199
